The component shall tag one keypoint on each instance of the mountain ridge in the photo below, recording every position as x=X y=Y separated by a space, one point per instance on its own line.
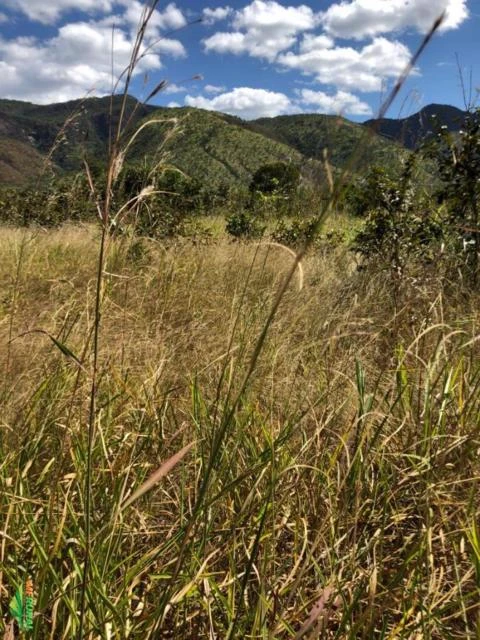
x=211 y=146
x=412 y=130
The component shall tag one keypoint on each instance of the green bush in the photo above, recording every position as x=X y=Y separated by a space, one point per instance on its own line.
x=457 y=157
x=278 y=178
x=273 y=188
x=244 y=225
x=400 y=227
x=376 y=190
x=294 y=233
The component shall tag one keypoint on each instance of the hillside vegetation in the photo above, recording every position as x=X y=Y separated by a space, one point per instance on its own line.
x=311 y=134
x=209 y=147
x=212 y=147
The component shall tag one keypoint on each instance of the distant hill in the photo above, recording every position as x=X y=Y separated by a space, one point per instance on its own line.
x=208 y=146
x=311 y=134
x=213 y=147
x=411 y=131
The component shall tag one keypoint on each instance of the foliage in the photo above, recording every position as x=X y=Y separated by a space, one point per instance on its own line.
x=376 y=190
x=312 y=134
x=273 y=188
x=245 y=224
x=276 y=179
x=49 y=205
x=407 y=227
x=458 y=161
x=400 y=226
x=294 y=232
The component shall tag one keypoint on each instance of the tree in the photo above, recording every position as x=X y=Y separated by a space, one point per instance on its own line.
x=458 y=159
x=273 y=187
x=278 y=178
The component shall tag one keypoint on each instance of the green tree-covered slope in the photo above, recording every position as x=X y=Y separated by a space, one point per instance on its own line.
x=346 y=142
x=212 y=147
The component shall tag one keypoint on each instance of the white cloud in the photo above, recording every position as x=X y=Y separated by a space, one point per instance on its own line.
x=170 y=47
x=211 y=88
x=169 y=19
x=349 y=68
x=363 y=18
x=173 y=88
x=210 y=16
x=312 y=42
x=263 y=29
x=341 y=102
x=49 y=11
x=76 y=61
x=3 y=18
x=245 y=102
x=174 y=105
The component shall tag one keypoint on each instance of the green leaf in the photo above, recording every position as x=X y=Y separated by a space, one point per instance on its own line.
x=63 y=348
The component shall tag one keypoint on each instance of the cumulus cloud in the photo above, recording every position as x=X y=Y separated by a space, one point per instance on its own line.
x=210 y=16
x=170 y=18
x=245 y=102
x=342 y=102
x=263 y=29
x=49 y=11
x=349 y=68
x=78 y=59
x=211 y=88
x=363 y=18
x=71 y=64
x=173 y=88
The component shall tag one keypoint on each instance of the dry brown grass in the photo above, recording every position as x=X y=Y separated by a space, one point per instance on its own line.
x=349 y=467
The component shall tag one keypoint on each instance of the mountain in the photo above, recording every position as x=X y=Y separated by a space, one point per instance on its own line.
x=213 y=147
x=346 y=142
x=206 y=145
x=413 y=130
x=59 y=135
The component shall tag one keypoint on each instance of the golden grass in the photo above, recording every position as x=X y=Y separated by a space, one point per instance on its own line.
x=341 y=501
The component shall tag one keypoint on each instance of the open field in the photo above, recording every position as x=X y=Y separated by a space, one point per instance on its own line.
x=333 y=496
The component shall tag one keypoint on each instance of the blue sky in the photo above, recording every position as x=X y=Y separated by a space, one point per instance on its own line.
x=255 y=57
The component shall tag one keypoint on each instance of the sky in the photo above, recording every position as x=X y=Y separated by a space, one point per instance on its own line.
x=249 y=58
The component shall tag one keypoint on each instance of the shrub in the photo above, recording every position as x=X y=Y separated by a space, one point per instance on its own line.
x=457 y=157
x=278 y=178
x=400 y=227
x=244 y=225
x=273 y=188
x=294 y=233
x=376 y=190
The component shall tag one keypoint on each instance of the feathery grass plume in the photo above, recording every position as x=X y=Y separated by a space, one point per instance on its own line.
x=160 y=473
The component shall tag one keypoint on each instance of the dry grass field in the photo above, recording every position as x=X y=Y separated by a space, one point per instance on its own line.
x=324 y=485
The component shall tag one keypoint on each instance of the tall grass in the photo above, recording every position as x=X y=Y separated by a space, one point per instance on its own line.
x=350 y=464
x=192 y=447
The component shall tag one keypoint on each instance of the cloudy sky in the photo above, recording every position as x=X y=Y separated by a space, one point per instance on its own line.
x=255 y=58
